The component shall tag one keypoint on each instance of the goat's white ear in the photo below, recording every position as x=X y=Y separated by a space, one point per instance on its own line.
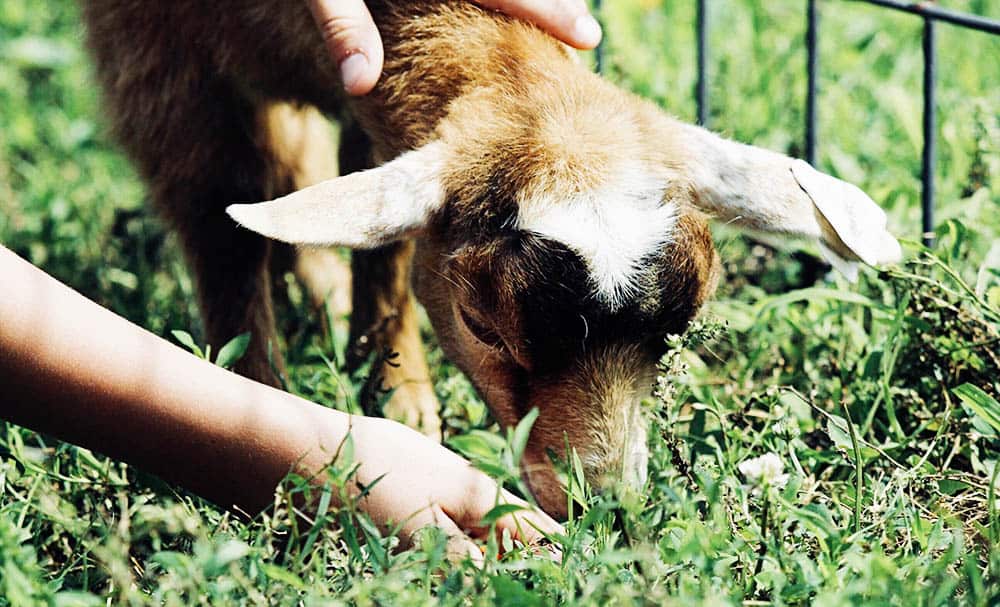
x=853 y=226
x=764 y=190
x=362 y=210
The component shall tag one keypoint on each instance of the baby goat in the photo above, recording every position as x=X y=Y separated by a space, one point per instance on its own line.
x=551 y=222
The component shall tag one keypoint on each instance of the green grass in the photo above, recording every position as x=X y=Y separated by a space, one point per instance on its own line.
x=878 y=398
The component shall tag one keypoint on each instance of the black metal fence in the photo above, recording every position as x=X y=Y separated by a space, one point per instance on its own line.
x=930 y=14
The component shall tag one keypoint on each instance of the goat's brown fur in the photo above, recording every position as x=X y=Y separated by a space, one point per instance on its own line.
x=199 y=95
x=214 y=101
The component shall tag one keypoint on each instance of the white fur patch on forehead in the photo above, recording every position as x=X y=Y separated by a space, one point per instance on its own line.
x=611 y=227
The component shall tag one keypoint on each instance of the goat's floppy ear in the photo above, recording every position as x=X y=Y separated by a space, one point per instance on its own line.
x=361 y=210
x=763 y=190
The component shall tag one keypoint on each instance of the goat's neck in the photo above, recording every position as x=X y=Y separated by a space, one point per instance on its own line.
x=437 y=52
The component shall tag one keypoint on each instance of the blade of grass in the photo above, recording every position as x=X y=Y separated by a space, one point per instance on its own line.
x=858 y=468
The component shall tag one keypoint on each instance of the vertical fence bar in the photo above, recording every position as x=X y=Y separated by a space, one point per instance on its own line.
x=701 y=88
x=812 y=72
x=599 y=51
x=930 y=133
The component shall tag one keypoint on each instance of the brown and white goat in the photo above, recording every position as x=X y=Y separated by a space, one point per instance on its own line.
x=551 y=222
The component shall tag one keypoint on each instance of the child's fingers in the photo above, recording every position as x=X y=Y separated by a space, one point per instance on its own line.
x=568 y=20
x=352 y=40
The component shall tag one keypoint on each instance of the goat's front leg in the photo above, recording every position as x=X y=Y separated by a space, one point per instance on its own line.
x=301 y=153
x=383 y=318
x=384 y=322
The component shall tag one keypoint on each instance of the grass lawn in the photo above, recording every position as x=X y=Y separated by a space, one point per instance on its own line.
x=878 y=400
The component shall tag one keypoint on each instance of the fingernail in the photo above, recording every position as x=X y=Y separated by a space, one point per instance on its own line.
x=587 y=31
x=353 y=70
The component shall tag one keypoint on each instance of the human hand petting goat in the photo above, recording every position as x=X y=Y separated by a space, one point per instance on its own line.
x=75 y=370
x=354 y=43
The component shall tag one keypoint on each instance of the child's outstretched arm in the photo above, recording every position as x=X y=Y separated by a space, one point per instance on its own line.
x=72 y=369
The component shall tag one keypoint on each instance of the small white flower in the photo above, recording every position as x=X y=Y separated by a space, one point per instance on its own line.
x=765 y=470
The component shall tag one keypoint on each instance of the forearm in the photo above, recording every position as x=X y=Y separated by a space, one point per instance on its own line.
x=70 y=368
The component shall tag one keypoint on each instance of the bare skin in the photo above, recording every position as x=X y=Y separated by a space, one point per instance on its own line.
x=72 y=369
x=354 y=42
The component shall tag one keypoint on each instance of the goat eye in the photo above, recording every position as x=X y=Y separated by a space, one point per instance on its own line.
x=481 y=332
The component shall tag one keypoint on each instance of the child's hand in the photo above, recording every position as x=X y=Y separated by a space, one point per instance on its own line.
x=426 y=484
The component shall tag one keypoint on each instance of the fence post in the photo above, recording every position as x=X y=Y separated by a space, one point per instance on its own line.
x=599 y=51
x=930 y=133
x=812 y=72
x=701 y=88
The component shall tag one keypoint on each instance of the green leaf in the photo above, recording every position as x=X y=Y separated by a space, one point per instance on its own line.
x=171 y=560
x=478 y=444
x=836 y=429
x=282 y=575
x=187 y=341
x=840 y=434
x=511 y=592
x=982 y=404
x=519 y=439
x=225 y=554
x=577 y=488
x=77 y=599
x=993 y=297
x=507 y=541
x=320 y=519
x=234 y=350
x=490 y=469
x=817 y=294
x=498 y=512
x=373 y=538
